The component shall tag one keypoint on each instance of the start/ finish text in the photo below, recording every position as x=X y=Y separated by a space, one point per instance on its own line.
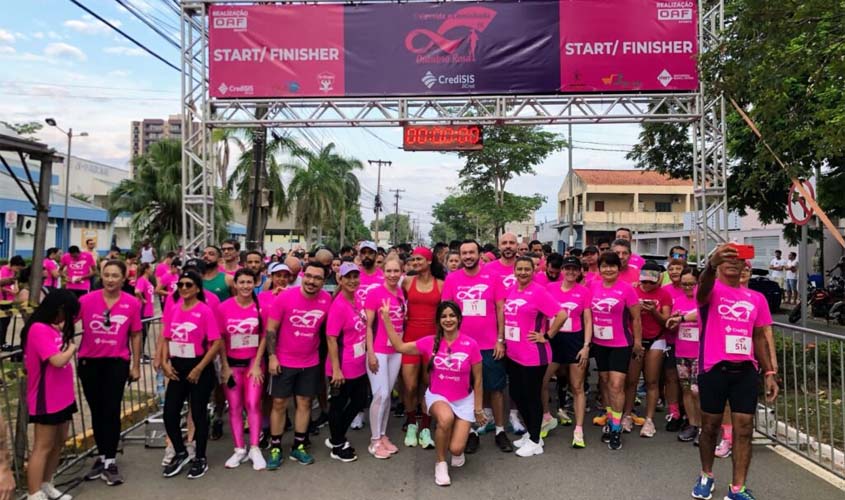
x=260 y=54
x=613 y=47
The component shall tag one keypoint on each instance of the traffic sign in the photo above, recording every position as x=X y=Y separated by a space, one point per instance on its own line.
x=11 y=219
x=798 y=208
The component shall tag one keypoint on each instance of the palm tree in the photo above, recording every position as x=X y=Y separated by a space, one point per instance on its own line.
x=154 y=197
x=221 y=139
x=350 y=187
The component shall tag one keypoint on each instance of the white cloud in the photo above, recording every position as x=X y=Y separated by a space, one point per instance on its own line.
x=64 y=50
x=90 y=26
x=22 y=36
x=4 y=49
x=6 y=36
x=119 y=73
x=125 y=51
x=38 y=35
x=53 y=35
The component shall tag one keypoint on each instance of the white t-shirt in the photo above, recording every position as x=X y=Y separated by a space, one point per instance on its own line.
x=792 y=275
x=777 y=263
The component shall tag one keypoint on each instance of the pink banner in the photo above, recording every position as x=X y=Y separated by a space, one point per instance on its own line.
x=625 y=45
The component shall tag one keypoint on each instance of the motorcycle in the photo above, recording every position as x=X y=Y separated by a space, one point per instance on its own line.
x=824 y=303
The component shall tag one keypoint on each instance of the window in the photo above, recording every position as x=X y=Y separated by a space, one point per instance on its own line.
x=599 y=206
x=662 y=206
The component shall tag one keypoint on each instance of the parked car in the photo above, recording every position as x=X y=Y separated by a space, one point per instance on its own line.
x=771 y=290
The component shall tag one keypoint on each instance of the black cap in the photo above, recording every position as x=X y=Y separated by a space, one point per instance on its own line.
x=590 y=249
x=197 y=264
x=571 y=262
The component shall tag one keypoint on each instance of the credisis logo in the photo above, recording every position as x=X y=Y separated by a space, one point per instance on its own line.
x=463 y=25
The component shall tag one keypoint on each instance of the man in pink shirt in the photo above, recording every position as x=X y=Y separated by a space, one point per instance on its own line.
x=8 y=291
x=503 y=267
x=77 y=268
x=623 y=233
x=628 y=273
x=371 y=276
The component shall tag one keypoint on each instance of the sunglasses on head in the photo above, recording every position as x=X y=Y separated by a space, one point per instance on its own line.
x=185 y=284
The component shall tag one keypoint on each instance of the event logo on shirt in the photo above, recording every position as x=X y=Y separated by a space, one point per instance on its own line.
x=242 y=327
x=737 y=311
x=180 y=332
x=509 y=281
x=363 y=290
x=569 y=306
x=512 y=306
x=308 y=319
x=472 y=293
x=451 y=362
x=397 y=314
x=77 y=265
x=99 y=327
x=605 y=305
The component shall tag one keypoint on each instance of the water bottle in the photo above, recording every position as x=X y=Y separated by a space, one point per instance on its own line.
x=160 y=386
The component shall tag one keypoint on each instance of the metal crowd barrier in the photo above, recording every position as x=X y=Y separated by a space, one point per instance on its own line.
x=809 y=415
x=140 y=400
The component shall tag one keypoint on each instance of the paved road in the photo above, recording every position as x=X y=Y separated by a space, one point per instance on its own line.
x=656 y=469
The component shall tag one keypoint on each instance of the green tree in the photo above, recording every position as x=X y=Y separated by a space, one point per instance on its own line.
x=26 y=129
x=153 y=198
x=509 y=151
x=354 y=229
x=222 y=140
x=404 y=233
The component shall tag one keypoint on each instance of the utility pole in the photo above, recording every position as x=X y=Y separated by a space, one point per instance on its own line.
x=571 y=214
x=377 y=202
x=396 y=214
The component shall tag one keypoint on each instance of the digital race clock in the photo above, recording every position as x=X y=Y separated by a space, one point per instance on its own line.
x=442 y=138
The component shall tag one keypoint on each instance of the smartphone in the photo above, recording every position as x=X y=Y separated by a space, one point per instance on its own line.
x=231 y=382
x=744 y=252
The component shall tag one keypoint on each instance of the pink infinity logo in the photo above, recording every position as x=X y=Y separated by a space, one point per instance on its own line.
x=476 y=19
x=307 y=320
x=450 y=362
x=740 y=310
x=473 y=293
x=246 y=326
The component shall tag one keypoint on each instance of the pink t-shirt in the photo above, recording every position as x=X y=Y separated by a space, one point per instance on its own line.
x=575 y=300
x=368 y=282
x=168 y=282
x=452 y=368
x=477 y=297
x=104 y=337
x=542 y=279
x=76 y=269
x=161 y=269
x=48 y=389
x=630 y=275
x=728 y=323
x=652 y=328
x=349 y=324
x=505 y=273
x=223 y=270
x=674 y=291
x=300 y=319
x=190 y=332
x=147 y=290
x=50 y=266
x=211 y=300
x=239 y=328
x=527 y=311
x=611 y=319
x=636 y=261
x=265 y=301
x=7 y=292
x=688 y=333
x=381 y=342
x=591 y=276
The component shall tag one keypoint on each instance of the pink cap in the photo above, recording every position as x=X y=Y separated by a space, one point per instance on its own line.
x=424 y=253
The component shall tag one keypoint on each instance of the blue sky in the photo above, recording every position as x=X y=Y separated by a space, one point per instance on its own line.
x=60 y=62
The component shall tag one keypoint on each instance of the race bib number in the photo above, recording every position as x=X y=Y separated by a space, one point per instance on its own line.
x=244 y=341
x=475 y=307
x=603 y=332
x=359 y=349
x=737 y=344
x=182 y=350
x=512 y=333
x=688 y=333
x=567 y=325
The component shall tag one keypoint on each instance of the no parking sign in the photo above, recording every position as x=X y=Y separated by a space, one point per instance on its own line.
x=798 y=208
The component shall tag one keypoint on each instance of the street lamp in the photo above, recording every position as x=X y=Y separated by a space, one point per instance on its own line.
x=70 y=135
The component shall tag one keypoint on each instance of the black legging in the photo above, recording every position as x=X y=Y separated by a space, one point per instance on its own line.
x=346 y=403
x=525 y=384
x=178 y=391
x=103 y=381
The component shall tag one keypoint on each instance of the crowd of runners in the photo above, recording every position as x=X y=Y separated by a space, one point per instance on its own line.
x=463 y=340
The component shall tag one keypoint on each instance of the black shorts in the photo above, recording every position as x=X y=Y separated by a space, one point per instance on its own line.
x=493 y=372
x=296 y=382
x=671 y=359
x=733 y=382
x=612 y=359
x=565 y=347
x=57 y=418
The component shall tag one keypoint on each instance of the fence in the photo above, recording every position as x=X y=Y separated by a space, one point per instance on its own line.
x=809 y=415
x=140 y=399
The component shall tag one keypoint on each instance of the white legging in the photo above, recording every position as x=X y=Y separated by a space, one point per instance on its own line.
x=382 y=384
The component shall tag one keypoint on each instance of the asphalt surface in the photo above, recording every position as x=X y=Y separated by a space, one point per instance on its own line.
x=656 y=469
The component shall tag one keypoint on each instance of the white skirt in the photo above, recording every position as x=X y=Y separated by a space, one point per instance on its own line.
x=464 y=408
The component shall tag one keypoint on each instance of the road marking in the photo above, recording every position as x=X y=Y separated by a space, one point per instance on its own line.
x=806 y=464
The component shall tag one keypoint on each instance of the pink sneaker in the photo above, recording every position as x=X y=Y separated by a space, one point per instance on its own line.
x=387 y=445
x=724 y=449
x=377 y=450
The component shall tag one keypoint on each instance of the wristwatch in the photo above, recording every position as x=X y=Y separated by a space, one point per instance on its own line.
x=546 y=336
x=501 y=340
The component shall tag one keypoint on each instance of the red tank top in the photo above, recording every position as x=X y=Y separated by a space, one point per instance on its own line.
x=422 y=308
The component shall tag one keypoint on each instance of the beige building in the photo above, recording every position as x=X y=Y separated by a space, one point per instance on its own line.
x=151 y=130
x=525 y=231
x=279 y=233
x=604 y=200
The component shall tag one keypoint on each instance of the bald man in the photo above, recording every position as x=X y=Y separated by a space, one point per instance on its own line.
x=503 y=267
x=324 y=256
x=295 y=266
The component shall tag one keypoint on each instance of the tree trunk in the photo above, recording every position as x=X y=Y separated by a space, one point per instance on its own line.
x=342 y=226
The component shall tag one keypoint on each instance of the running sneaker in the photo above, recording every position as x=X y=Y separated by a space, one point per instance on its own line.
x=322 y=420
x=111 y=475
x=377 y=450
x=344 y=453
x=257 y=458
x=743 y=494
x=516 y=424
x=638 y=420
x=358 y=421
x=198 y=468
x=426 y=442
x=411 y=438
x=503 y=442
x=615 y=442
x=530 y=449
x=275 y=458
x=600 y=420
x=169 y=453
x=399 y=410
x=522 y=441
x=216 y=430
x=97 y=469
x=441 y=474
x=703 y=488
x=688 y=433
x=459 y=460
x=549 y=423
x=264 y=441
x=175 y=466
x=605 y=434
x=53 y=493
x=473 y=442
x=673 y=424
x=724 y=449
x=299 y=454
x=388 y=445
x=237 y=458
x=648 y=430
x=627 y=423
x=490 y=426
x=563 y=417
x=578 y=439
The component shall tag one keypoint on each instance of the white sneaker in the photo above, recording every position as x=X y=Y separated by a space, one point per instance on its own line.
x=192 y=449
x=169 y=453
x=257 y=458
x=530 y=449
x=358 y=421
x=441 y=474
x=518 y=428
x=54 y=493
x=519 y=443
x=236 y=459
x=459 y=460
x=39 y=495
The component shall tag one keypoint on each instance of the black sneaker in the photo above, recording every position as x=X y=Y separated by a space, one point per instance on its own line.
x=344 y=453
x=503 y=442
x=111 y=475
x=96 y=470
x=175 y=467
x=673 y=424
x=264 y=442
x=472 y=443
x=615 y=442
x=322 y=420
x=605 y=434
x=216 y=430
x=313 y=429
x=399 y=410
x=198 y=468
x=688 y=434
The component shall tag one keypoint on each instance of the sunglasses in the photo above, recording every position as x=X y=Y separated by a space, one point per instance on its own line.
x=679 y=256
x=185 y=284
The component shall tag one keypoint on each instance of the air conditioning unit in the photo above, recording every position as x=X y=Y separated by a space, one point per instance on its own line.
x=26 y=224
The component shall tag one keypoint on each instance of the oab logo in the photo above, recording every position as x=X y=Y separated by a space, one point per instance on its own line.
x=676 y=11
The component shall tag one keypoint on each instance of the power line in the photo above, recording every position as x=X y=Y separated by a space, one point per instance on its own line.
x=132 y=10
x=604 y=143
